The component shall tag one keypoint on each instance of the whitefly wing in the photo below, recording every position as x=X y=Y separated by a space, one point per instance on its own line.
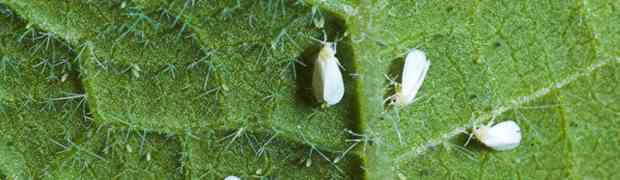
x=504 y=136
x=327 y=82
x=333 y=89
x=414 y=72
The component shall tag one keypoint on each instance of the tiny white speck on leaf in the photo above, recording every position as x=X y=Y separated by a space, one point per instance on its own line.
x=128 y=147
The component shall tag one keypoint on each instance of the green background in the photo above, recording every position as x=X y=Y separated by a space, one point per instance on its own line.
x=202 y=89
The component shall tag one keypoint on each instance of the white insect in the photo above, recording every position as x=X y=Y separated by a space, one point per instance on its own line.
x=414 y=72
x=327 y=79
x=502 y=136
x=232 y=178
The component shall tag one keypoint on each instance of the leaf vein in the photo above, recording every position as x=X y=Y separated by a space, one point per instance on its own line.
x=513 y=104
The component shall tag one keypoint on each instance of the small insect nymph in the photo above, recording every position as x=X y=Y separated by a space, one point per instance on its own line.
x=327 y=82
x=414 y=72
x=502 y=136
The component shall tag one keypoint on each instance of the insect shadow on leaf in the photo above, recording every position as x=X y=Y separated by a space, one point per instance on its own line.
x=395 y=71
x=470 y=143
x=304 y=70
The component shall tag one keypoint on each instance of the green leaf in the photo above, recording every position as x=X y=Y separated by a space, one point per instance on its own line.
x=208 y=89
x=36 y=117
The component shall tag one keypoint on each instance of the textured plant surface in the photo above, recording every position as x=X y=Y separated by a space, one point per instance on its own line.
x=200 y=89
